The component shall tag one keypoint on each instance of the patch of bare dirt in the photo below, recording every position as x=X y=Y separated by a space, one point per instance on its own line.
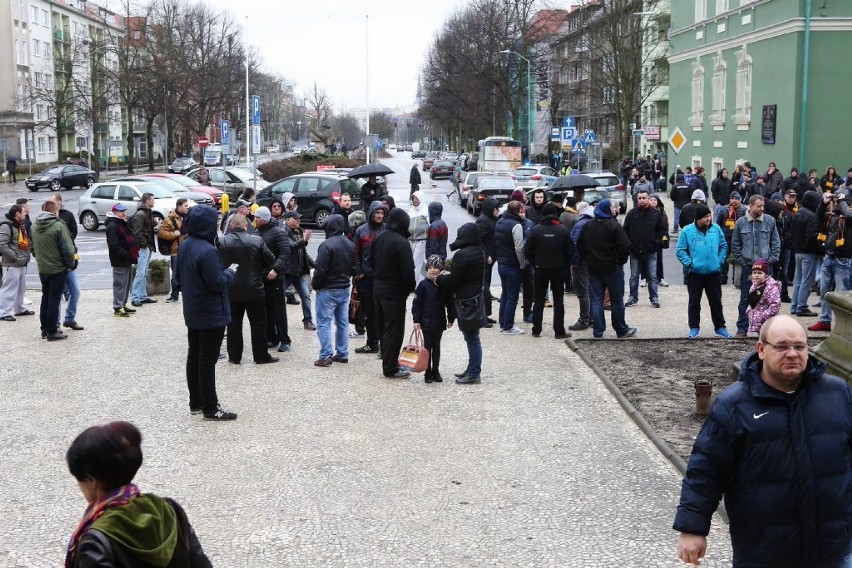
x=657 y=376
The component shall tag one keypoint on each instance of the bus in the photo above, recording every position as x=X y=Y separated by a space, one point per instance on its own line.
x=499 y=154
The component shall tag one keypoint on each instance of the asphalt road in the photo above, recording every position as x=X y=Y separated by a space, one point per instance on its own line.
x=95 y=272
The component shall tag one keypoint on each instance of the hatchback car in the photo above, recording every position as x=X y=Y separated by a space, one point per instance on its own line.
x=528 y=177
x=232 y=180
x=610 y=182
x=173 y=186
x=467 y=182
x=442 y=168
x=428 y=161
x=66 y=176
x=498 y=187
x=98 y=200
x=315 y=192
x=182 y=165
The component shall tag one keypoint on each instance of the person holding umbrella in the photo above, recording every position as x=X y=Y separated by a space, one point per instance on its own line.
x=371 y=190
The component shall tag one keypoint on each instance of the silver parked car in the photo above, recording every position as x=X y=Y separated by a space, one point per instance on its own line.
x=98 y=200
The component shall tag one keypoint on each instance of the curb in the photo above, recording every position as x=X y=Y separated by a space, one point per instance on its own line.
x=637 y=417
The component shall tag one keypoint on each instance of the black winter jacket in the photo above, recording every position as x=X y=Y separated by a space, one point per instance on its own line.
x=468 y=267
x=645 y=229
x=831 y=223
x=335 y=265
x=203 y=280
x=142 y=225
x=298 y=262
x=391 y=259
x=721 y=190
x=803 y=228
x=485 y=224
x=68 y=218
x=432 y=306
x=784 y=465
x=278 y=244
x=681 y=194
x=505 y=242
x=255 y=260
x=603 y=245
x=549 y=245
x=96 y=550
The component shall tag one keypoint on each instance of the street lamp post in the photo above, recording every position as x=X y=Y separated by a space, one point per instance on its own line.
x=529 y=101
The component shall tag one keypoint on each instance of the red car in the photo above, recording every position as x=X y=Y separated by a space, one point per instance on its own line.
x=192 y=185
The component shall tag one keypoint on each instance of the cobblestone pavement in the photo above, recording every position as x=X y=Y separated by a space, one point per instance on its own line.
x=537 y=466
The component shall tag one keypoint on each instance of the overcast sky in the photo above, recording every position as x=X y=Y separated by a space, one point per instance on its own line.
x=326 y=41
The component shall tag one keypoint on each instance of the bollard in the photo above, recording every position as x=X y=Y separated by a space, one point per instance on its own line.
x=703 y=390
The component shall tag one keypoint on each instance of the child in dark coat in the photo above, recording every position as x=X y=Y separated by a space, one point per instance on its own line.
x=432 y=311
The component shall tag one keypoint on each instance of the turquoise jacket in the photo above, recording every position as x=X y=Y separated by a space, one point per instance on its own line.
x=702 y=252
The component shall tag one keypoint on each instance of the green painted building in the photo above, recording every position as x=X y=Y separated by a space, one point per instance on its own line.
x=761 y=81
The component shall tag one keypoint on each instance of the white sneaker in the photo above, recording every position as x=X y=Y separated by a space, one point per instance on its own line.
x=514 y=331
x=355 y=334
x=27 y=301
x=663 y=283
x=642 y=283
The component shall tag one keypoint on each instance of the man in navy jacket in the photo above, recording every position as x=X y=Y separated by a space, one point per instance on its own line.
x=778 y=445
x=206 y=309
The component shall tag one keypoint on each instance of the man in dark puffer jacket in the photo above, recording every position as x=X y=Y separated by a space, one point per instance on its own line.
x=778 y=445
x=393 y=271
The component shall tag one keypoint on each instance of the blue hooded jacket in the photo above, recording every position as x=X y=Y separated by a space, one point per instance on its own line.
x=784 y=465
x=199 y=272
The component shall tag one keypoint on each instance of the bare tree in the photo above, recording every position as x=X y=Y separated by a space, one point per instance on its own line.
x=319 y=108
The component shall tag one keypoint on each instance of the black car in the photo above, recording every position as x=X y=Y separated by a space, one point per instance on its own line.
x=498 y=187
x=315 y=193
x=471 y=163
x=441 y=168
x=182 y=165
x=418 y=155
x=66 y=176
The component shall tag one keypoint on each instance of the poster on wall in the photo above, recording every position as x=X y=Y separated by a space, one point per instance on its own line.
x=767 y=130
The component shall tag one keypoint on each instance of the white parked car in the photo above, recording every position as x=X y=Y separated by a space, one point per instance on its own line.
x=98 y=200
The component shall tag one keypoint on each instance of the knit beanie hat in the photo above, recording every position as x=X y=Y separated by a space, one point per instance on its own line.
x=701 y=211
x=761 y=264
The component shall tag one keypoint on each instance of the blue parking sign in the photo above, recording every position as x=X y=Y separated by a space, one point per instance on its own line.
x=255 y=110
x=226 y=132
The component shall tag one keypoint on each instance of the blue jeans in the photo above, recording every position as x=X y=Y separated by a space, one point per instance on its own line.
x=676 y=218
x=838 y=270
x=300 y=283
x=644 y=264
x=802 y=281
x=474 y=353
x=72 y=296
x=333 y=304
x=613 y=282
x=511 y=278
x=139 y=290
x=175 y=285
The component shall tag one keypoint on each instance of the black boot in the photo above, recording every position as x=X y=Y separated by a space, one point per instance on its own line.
x=436 y=377
x=428 y=376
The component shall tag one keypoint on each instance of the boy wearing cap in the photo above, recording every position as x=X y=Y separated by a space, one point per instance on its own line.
x=123 y=252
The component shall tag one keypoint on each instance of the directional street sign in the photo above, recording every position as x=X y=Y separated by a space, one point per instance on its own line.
x=588 y=136
x=638 y=132
x=555 y=133
x=255 y=110
x=568 y=122
x=569 y=132
x=226 y=133
x=579 y=147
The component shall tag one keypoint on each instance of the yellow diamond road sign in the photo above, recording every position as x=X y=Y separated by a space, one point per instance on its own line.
x=677 y=140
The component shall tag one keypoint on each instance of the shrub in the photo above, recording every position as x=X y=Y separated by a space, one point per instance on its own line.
x=279 y=169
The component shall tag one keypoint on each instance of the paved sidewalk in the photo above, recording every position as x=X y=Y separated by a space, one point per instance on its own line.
x=537 y=466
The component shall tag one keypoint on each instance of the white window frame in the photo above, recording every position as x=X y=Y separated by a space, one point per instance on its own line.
x=41 y=144
x=745 y=70
x=700 y=10
x=51 y=144
x=44 y=18
x=36 y=48
x=696 y=118
x=722 y=6
x=35 y=14
x=720 y=86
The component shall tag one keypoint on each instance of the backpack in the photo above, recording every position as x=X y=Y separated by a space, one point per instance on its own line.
x=164 y=247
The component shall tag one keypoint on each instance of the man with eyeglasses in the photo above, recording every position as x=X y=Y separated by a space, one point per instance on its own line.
x=777 y=445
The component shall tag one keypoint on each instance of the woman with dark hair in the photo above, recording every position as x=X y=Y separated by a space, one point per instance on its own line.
x=466 y=278
x=657 y=202
x=121 y=525
x=830 y=181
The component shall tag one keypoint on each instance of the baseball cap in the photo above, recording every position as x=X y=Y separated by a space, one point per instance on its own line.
x=736 y=195
x=243 y=203
x=292 y=215
x=791 y=192
x=263 y=213
x=119 y=207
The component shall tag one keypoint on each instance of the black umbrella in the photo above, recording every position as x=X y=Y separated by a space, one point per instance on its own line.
x=368 y=170
x=574 y=181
